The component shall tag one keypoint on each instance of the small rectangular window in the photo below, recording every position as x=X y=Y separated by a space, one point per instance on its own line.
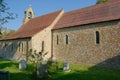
x=57 y=40
x=97 y=37
x=67 y=39
x=22 y=47
x=43 y=44
x=19 y=47
x=27 y=46
x=5 y=45
x=12 y=47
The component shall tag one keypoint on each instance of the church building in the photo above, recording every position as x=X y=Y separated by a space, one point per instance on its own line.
x=87 y=36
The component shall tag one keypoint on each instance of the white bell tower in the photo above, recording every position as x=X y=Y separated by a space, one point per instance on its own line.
x=28 y=14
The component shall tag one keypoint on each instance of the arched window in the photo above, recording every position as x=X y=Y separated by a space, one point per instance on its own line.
x=19 y=47
x=27 y=46
x=29 y=15
x=22 y=47
x=57 y=40
x=97 y=37
x=12 y=47
x=43 y=44
x=5 y=45
x=67 y=39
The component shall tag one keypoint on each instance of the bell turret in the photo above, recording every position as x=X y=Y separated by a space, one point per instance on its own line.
x=29 y=14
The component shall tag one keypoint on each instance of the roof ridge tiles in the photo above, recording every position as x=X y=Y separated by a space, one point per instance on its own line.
x=34 y=26
x=96 y=13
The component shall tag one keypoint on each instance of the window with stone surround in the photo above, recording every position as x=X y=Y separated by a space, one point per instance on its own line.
x=22 y=47
x=43 y=45
x=5 y=44
x=27 y=46
x=12 y=46
x=29 y=15
x=67 y=39
x=57 y=40
x=97 y=37
x=19 y=47
x=5 y=47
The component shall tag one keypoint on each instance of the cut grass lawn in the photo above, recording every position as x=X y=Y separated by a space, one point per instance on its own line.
x=15 y=73
x=78 y=72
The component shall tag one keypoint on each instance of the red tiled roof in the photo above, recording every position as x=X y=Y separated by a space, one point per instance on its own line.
x=34 y=26
x=98 y=13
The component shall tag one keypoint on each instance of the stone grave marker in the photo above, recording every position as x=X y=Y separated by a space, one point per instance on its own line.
x=44 y=61
x=66 y=67
x=54 y=60
x=22 y=65
x=42 y=71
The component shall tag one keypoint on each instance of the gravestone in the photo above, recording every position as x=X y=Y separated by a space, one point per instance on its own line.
x=54 y=60
x=4 y=75
x=44 y=61
x=42 y=71
x=66 y=67
x=22 y=65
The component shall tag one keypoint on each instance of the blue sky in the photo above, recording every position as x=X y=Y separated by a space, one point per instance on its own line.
x=41 y=7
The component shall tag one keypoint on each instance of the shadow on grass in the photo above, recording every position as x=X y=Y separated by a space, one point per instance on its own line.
x=13 y=68
x=90 y=73
x=20 y=76
x=93 y=73
x=106 y=70
x=7 y=63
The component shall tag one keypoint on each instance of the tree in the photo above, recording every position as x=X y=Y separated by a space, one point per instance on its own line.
x=5 y=14
x=4 y=31
x=102 y=1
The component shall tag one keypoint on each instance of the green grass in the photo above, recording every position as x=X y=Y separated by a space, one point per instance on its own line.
x=78 y=72
x=15 y=73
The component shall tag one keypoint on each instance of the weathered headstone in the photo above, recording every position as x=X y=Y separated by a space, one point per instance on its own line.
x=22 y=65
x=4 y=75
x=54 y=60
x=42 y=71
x=66 y=67
x=44 y=61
